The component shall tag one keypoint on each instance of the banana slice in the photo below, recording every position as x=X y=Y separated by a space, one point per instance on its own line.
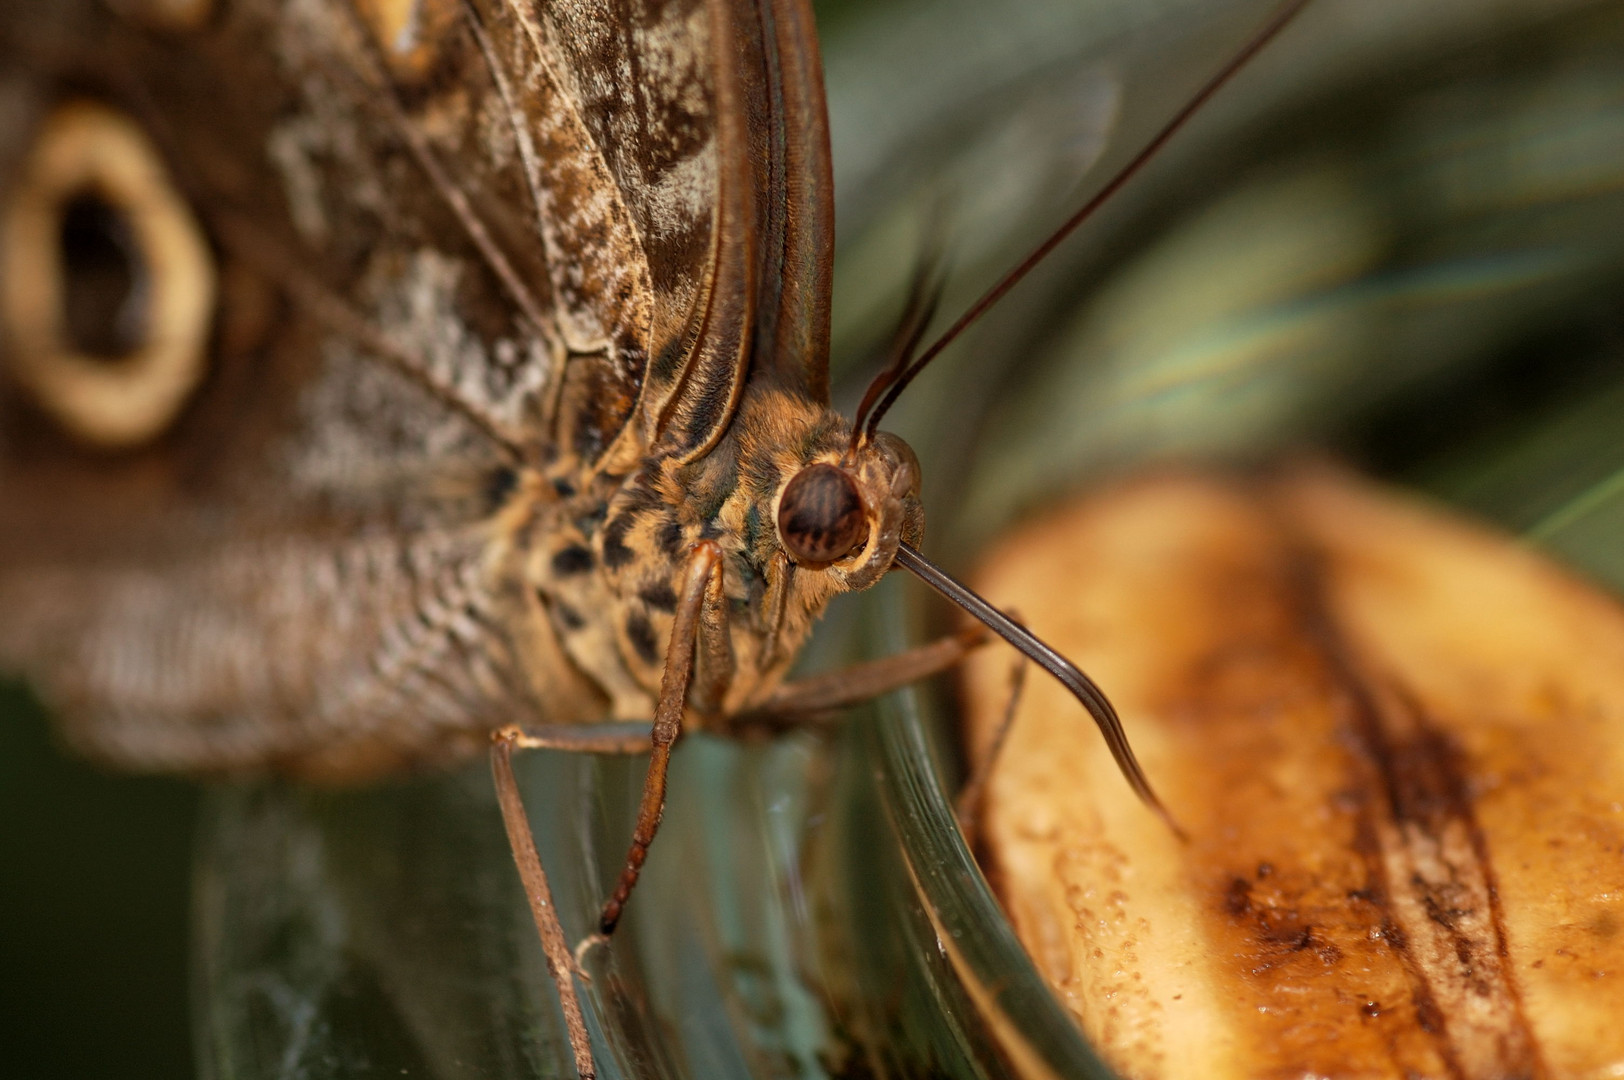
x=1397 y=743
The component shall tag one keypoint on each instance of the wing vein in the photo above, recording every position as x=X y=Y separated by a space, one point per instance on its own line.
x=252 y=244
x=450 y=193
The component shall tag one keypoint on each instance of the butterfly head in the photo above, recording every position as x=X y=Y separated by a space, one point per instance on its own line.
x=848 y=515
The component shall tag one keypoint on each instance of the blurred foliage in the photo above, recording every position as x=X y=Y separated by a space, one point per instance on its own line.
x=1392 y=238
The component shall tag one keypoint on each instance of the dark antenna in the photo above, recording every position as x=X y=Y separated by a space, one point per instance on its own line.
x=897 y=381
x=924 y=295
x=902 y=369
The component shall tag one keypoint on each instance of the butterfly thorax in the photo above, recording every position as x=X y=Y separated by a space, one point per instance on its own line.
x=608 y=553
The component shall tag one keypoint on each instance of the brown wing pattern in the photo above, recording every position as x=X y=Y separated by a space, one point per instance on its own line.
x=766 y=317
x=448 y=251
x=796 y=193
x=340 y=655
x=442 y=259
x=303 y=544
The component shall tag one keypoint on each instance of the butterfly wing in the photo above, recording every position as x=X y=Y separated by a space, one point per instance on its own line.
x=730 y=192
x=442 y=252
x=295 y=558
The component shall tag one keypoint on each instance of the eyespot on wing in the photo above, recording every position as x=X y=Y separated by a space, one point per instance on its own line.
x=109 y=285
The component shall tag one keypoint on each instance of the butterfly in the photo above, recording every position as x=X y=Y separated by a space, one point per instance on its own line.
x=382 y=376
x=378 y=377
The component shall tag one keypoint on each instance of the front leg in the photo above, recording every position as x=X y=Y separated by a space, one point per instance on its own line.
x=540 y=895
x=704 y=568
x=699 y=615
x=796 y=704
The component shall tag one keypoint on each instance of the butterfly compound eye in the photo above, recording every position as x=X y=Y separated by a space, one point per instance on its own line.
x=820 y=517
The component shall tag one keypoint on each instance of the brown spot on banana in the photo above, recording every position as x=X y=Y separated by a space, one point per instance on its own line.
x=1396 y=741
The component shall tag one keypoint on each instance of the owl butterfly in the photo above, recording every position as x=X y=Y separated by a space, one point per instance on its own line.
x=381 y=375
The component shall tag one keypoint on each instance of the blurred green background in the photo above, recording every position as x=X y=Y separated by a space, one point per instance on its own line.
x=94 y=872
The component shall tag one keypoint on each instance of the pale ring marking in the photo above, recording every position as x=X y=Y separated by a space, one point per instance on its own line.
x=113 y=403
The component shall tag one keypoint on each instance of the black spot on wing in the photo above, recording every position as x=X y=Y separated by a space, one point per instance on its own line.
x=567 y=617
x=659 y=596
x=669 y=538
x=499 y=485
x=615 y=552
x=644 y=495
x=641 y=635
x=572 y=560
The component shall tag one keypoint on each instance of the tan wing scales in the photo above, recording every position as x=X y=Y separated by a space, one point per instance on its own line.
x=430 y=277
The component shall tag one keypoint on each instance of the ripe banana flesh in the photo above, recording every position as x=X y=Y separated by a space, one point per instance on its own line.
x=1396 y=741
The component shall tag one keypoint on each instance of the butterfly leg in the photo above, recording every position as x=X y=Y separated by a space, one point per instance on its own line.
x=792 y=704
x=967 y=807
x=698 y=607
x=606 y=738
x=704 y=565
x=559 y=962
